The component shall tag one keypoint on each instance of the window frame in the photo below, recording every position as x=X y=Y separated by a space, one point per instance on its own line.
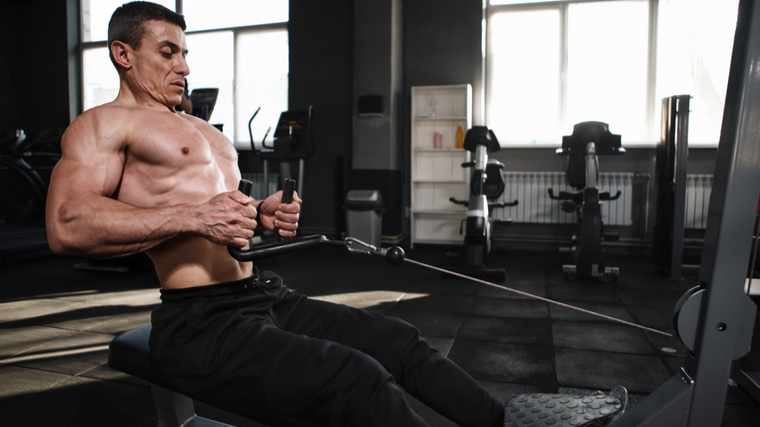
x=562 y=6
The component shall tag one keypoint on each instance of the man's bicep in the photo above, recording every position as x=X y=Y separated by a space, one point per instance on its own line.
x=71 y=180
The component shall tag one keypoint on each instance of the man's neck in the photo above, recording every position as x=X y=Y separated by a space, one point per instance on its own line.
x=131 y=95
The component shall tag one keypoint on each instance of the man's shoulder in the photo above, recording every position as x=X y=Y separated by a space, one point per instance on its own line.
x=107 y=124
x=113 y=118
x=102 y=115
x=107 y=110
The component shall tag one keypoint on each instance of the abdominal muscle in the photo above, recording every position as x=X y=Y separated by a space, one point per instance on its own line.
x=191 y=261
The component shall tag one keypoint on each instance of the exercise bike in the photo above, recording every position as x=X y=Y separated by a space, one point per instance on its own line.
x=486 y=184
x=589 y=139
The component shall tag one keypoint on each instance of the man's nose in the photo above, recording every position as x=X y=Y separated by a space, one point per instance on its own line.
x=182 y=67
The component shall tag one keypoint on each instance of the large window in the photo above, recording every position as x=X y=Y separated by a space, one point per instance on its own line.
x=237 y=46
x=551 y=64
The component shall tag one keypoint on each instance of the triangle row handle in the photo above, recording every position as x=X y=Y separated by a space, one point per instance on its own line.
x=282 y=246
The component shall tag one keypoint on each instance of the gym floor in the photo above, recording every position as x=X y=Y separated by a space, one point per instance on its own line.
x=56 y=322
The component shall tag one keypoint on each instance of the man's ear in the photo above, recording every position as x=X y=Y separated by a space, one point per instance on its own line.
x=121 y=54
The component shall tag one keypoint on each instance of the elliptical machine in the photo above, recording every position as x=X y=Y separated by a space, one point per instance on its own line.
x=588 y=140
x=293 y=140
x=486 y=184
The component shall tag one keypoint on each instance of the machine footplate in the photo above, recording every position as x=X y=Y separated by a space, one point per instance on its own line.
x=565 y=410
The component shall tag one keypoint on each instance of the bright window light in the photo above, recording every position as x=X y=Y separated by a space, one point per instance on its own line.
x=204 y=14
x=523 y=84
x=211 y=59
x=607 y=66
x=100 y=79
x=694 y=48
x=261 y=67
x=550 y=65
x=97 y=13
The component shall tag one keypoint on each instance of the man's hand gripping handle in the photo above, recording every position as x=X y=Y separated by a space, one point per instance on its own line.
x=282 y=246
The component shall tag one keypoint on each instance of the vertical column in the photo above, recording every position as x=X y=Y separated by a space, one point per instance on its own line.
x=727 y=314
x=377 y=160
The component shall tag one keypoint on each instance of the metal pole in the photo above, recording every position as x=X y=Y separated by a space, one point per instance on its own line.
x=681 y=145
x=727 y=315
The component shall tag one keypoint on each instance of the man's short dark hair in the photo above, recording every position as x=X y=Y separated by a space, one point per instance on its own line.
x=127 y=23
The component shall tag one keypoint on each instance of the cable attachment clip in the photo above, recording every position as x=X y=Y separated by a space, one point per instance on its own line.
x=393 y=255
x=363 y=247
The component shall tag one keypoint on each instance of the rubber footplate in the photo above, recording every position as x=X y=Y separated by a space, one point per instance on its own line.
x=563 y=410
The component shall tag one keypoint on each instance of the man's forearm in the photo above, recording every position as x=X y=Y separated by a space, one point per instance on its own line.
x=100 y=227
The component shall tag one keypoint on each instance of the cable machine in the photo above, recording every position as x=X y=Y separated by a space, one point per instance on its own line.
x=716 y=319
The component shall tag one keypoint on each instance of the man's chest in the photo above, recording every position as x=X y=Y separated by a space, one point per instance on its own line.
x=171 y=145
x=173 y=163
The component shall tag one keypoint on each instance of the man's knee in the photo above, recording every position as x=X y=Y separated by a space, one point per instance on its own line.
x=405 y=337
x=392 y=333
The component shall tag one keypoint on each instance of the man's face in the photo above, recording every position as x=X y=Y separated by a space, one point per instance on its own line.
x=159 y=66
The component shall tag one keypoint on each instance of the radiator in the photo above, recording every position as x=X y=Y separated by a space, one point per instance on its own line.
x=698 y=190
x=257 y=192
x=535 y=206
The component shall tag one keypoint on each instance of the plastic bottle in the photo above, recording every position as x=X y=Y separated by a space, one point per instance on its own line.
x=438 y=140
x=460 y=137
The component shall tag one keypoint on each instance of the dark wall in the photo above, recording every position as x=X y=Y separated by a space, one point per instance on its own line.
x=442 y=41
x=321 y=51
x=11 y=116
x=442 y=47
x=34 y=73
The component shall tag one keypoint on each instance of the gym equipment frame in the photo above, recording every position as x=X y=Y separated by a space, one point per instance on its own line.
x=582 y=148
x=486 y=183
x=724 y=316
x=670 y=176
x=293 y=140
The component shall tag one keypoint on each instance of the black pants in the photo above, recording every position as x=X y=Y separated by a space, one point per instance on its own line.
x=254 y=345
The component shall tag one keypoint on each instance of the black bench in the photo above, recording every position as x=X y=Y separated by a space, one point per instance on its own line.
x=129 y=353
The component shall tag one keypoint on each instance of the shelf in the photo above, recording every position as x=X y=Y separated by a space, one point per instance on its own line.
x=460 y=212
x=433 y=181
x=437 y=173
x=437 y=119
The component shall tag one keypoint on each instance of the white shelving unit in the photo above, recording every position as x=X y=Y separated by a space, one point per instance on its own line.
x=437 y=173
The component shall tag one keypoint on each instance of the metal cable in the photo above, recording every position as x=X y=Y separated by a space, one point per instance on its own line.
x=561 y=304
